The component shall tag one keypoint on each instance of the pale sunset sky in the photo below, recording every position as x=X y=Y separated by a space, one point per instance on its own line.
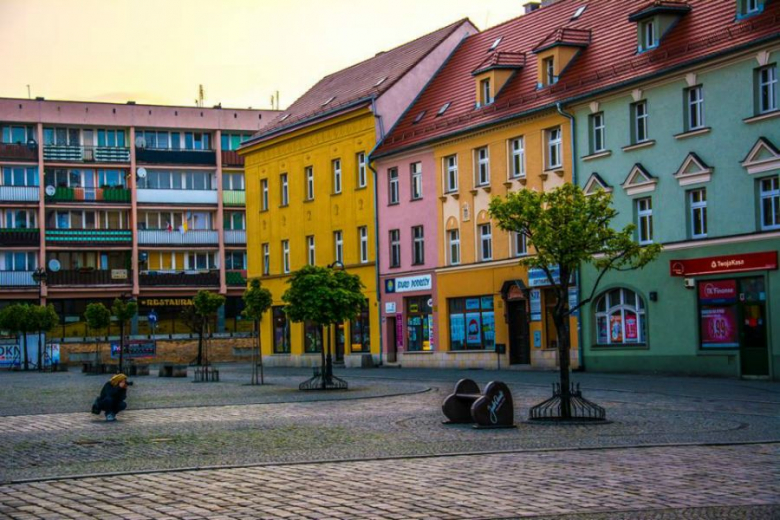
x=242 y=51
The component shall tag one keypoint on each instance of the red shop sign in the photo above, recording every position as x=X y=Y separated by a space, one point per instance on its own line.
x=718 y=290
x=724 y=264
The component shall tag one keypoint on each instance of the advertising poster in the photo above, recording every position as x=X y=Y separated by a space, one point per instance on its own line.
x=616 y=329
x=399 y=330
x=718 y=291
x=430 y=332
x=473 y=329
x=719 y=327
x=489 y=329
x=135 y=349
x=631 y=327
x=10 y=354
x=472 y=304
x=535 y=296
x=457 y=329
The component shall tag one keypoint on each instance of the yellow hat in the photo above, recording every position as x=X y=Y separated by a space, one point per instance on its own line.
x=118 y=379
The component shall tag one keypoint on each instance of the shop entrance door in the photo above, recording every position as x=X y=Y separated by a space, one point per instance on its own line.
x=753 y=352
x=340 y=339
x=519 y=345
x=392 y=345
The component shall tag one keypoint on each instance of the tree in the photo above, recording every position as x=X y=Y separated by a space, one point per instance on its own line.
x=204 y=305
x=17 y=319
x=569 y=229
x=257 y=300
x=44 y=319
x=98 y=317
x=123 y=310
x=326 y=297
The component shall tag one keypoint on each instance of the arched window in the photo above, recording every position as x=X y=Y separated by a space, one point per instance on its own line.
x=620 y=318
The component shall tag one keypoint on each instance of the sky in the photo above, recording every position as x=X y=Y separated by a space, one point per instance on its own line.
x=241 y=51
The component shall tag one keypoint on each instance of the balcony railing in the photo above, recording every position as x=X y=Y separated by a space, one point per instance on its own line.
x=87 y=154
x=65 y=194
x=87 y=237
x=177 y=238
x=90 y=277
x=18 y=152
x=186 y=157
x=179 y=278
x=235 y=278
x=16 y=279
x=234 y=198
x=19 y=237
x=231 y=158
x=19 y=193
x=177 y=196
x=235 y=236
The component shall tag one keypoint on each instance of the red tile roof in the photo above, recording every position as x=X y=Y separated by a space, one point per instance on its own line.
x=355 y=85
x=501 y=60
x=565 y=36
x=609 y=61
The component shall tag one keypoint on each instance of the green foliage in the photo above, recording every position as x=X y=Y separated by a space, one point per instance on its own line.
x=97 y=316
x=124 y=310
x=206 y=303
x=323 y=296
x=17 y=318
x=257 y=299
x=45 y=318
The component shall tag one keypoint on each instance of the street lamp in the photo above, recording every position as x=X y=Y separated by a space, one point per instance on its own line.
x=328 y=376
x=39 y=276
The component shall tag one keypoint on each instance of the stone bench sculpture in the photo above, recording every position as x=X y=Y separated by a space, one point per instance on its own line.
x=173 y=371
x=492 y=408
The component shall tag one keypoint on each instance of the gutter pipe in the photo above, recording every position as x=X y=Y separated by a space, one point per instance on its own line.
x=376 y=227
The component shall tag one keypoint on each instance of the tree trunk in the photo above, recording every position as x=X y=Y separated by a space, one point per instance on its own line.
x=561 y=320
x=200 y=345
x=26 y=357
x=260 y=352
x=40 y=351
x=121 y=345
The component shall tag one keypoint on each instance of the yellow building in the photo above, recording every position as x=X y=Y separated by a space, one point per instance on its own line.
x=311 y=191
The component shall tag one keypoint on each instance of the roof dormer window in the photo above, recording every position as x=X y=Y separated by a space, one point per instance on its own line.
x=647 y=35
x=549 y=71
x=655 y=20
x=485 y=97
x=747 y=8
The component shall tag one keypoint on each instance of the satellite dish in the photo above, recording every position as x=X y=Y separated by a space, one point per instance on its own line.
x=50 y=190
x=54 y=265
x=141 y=172
x=140 y=142
x=32 y=144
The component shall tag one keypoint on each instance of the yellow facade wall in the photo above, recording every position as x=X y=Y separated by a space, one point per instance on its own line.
x=316 y=146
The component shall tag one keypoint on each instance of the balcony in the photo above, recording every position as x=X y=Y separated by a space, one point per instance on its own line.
x=65 y=194
x=193 y=237
x=18 y=152
x=89 y=277
x=17 y=279
x=10 y=237
x=86 y=154
x=89 y=237
x=19 y=193
x=179 y=278
x=185 y=157
x=177 y=196
x=234 y=198
x=235 y=278
x=231 y=158
x=235 y=236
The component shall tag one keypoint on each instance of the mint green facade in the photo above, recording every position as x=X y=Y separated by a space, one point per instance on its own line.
x=671 y=335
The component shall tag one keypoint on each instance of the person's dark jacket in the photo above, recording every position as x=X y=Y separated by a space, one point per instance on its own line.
x=111 y=397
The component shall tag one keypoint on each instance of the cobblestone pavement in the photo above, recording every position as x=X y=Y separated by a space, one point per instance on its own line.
x=670 y=482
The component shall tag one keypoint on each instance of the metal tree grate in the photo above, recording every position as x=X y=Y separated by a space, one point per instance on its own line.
x=580 y=409
x=326 y=382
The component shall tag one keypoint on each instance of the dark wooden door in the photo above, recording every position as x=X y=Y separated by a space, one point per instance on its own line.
x=392 y=345
x=519 y=341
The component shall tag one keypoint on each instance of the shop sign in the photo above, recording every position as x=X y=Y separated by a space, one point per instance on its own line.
x=538 y=278
x=165 y=302
x=119 y=274
x=431 y=345
x=390 y=286
x=389 y=307
x=135 y=349
x=412 y=283
x=573 y=300
x=10 y=354
x=537 y=339
x=399 y=331
x=718 y=291
x=719 y=327
x=724 y=264
x=535 y=297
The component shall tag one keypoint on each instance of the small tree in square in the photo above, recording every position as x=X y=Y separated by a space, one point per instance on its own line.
x=18 y=319
x=569 y=229
x=205 y=305
x=44 y=319
x=257 y=300
x=123 y=310
x=98 y=317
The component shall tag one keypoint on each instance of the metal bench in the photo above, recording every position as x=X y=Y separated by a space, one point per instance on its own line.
x=171 y=370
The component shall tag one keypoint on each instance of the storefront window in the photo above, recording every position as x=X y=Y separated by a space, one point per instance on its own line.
x=620 y=318
x=312 y=337
x=281 y=331
x=234 y=320
x=419 y=323
x=472 y=323
x=360 y=332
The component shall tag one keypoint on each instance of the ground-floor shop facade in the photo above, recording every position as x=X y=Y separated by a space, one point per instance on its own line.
x=704 y=310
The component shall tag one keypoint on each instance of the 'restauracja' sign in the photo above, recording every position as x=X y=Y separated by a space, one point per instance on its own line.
x=724 y=264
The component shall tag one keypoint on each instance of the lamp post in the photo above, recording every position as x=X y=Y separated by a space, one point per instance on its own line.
x=39 y=277
x=125 y=300
x=328 y=376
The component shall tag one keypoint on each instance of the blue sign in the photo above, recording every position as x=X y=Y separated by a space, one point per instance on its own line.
x=390 y=286
x=152 y=317
x=538 y=339
x=538 y=278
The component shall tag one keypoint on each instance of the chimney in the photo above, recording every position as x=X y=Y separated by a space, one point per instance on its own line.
x=531 y=6
x=545 y=3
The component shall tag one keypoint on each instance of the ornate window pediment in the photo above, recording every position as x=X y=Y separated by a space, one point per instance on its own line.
x=595 y=183
x=639 y=181
x=693 y=170
x=764 y=156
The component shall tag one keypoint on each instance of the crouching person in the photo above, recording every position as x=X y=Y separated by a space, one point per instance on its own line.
x=112 y=397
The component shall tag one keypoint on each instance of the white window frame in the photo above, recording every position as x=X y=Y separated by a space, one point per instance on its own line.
x=767 y=81
x=644 y=217
x=694 y=98
x=285 y=189
x=310 y=250
x=362 y=179
x=697 y=202
x=309 y=172
x=484 y=92
x=285 y=256
x=338 y=246
x=363 y=236
x=9 y=220
x=771 y=195
x=393 y=187
x=648 y=35
x=482 y=159
x=453 y=239
x=598 y=133
x=266 y=259
x=549 y=71
x=519 y=244
x=640 y=121
x=485 y=242
x=418 y=245
x=451 y=174
x=264 y=194
x=336 y=166
x=517 y=154
x=394 y=237
x=415 y=170
x=554 y=148
x=752 y=6
x=638 y=309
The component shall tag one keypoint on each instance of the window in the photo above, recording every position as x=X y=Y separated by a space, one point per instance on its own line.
x=767 y=89
x=336 y=175
x=639 y=118
x=233 y=141
x=620 y=318
x=285 y=256
x=485 y=242
x=281 y=330
x=697 y=201
x=647 y=39
x=20 y=176
x=285 y=189
x=19 y=261
x=235 y=260
x=235 y=220
x=363 y=235
x=770 y=203
x=17 y=134
x=644 y=214
x=519 y=245
x=451 y=179
x=392 y=191
x=310 y=253
x=266 y=259
x=483 y=166
x=495 y=44
x=418 y=245
x=395 y=248
x=472 y=323
x=453 y=238
x=749 y=8
x=597 y=133
x=694 y=107
x=361 y=170
x=200 y=261
x=419 y=117
x=419 y=323
x=338 y=246
x=484 y=92
x=554 y=145
x=19 y=219
x=443 y=108
x=360 y=331
x=312 y=337
x=233 y=181
x=548 y=66
x=264 y=195
x=416 y=172
x=517 y=147
x=309 y=173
